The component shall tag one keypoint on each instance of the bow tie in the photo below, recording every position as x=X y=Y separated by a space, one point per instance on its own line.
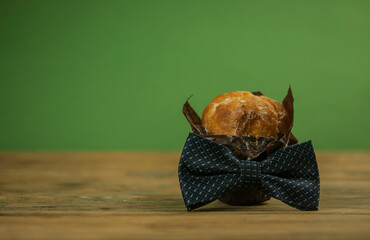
x=209 y=170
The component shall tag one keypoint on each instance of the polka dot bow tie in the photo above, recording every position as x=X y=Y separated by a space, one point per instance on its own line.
x=209 y=170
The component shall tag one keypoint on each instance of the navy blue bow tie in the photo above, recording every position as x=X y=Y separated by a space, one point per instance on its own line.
x=209 y=170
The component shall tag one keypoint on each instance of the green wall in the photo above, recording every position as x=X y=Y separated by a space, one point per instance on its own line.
x=113 y=75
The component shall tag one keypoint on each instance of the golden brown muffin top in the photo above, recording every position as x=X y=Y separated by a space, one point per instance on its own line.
x=243 y=113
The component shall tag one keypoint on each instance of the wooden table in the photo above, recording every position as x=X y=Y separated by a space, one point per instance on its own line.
x=137 y=196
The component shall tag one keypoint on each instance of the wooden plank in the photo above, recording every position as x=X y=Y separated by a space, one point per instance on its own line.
x=137 y=196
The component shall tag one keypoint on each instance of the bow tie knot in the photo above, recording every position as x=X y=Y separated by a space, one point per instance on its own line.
x=250 y=174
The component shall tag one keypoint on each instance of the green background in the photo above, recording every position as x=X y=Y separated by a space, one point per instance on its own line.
x=113 y=75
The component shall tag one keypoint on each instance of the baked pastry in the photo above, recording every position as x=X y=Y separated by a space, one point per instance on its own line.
x=245 y=114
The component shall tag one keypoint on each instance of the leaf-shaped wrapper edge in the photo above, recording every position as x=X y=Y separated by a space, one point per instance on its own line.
x=193 y=118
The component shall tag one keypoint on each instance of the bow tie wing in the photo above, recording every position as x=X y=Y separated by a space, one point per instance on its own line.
x=291 y=175
x=207 y=171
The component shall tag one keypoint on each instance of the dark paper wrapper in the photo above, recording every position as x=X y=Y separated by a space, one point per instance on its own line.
x=246 y=148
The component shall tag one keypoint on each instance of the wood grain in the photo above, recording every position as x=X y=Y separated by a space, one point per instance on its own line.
x=137 y=196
